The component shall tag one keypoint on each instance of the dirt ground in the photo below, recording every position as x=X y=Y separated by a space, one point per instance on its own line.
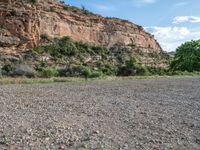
x=159 y=114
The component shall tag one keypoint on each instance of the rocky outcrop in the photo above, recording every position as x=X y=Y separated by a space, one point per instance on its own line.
x=27 y=21
x=7 y=40
x=21 y=19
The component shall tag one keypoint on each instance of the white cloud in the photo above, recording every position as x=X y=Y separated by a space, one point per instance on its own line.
x=183 y=19
x=172 y=37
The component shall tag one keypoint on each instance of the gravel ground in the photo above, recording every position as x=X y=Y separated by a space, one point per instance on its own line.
x=102 y=115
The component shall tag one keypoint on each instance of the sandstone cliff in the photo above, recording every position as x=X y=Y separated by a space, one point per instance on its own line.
x=22 y=23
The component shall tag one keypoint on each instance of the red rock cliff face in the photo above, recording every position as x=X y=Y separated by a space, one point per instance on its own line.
x=25 y=22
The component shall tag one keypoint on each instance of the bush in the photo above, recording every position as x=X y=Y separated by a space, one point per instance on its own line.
x=44 y=37
x=58 y=49
x=66 y=8
x=109 y=69
x=82 y=47
x=141 y=70
x=86 y=73
x=71 y=71
x=131 y=63
x=2 y=27
x=71 y=8
x=62 y=1
x=157 y=71
x=95 y=74
x=132 y=68
x=48 y=72
x=98 y=49
x=40 y=49
x=7 y=69
x=124 y=71
x=1 y=73
x=85 y=11
x=34 y=1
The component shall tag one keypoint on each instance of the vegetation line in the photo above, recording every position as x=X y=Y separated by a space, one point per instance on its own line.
x=67 y=58
x=24 y=80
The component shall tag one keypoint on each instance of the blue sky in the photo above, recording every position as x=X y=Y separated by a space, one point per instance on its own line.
x=171 y=21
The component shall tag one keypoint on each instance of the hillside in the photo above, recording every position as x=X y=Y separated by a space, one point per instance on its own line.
x=27 y=24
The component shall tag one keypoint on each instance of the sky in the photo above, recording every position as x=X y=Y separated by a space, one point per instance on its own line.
x=172 y=22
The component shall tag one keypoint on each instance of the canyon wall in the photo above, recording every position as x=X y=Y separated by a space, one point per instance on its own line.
x=28 y=21
x=22 y=23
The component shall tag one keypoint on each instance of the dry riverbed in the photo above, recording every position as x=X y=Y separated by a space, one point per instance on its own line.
x=153 y=114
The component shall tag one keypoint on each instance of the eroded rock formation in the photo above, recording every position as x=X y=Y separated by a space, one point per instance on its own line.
x=22 y=22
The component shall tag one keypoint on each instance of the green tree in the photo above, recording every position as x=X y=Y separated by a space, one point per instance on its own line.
x=187 y=57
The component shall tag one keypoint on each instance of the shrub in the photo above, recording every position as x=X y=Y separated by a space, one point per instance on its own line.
x=124 y=71
x=34 y=1
x=95 y=74
x=157 y=71
x=7 y=69
x=85 y=11
x=40 y=49
x=71 y=71
x=141 y=70
x=98 y=49
x=1 y=73
x=48 y=72
x=131 y=62
x=70 y=8
x=83 y=47
x=109 y=69
x=64 y=47
x=2 y=27
x=131 y=68
x=44 y=37
x=62 y=1
x=66 y=8
x=59 y=49
x=86 y=73
x=65 y=40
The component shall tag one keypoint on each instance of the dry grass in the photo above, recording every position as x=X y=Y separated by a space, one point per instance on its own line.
x=24 y=80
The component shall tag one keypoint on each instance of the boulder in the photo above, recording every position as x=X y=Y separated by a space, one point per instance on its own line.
x=9 y=41
x=24 y=70
x=9 y=58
